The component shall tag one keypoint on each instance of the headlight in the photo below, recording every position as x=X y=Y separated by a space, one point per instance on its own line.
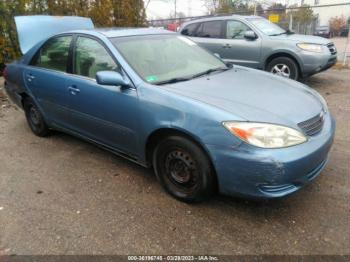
x=265 y=135
x=311 y=47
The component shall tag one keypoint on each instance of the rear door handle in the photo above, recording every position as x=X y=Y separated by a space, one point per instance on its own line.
x=73 y=90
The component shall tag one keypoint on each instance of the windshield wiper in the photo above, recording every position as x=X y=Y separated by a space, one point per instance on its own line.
x=279 y=34
x=209 y=71
x=173 y=80
x=288 y=32
x=182 y=79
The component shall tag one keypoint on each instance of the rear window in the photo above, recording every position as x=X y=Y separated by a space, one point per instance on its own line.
x=190 y=30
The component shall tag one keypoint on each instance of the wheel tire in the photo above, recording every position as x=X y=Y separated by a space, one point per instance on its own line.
x=289 y=63
x=183 y=169
x=34 y=118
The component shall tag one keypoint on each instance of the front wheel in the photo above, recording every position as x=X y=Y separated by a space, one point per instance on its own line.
x=34 y=118
x=183 y=169
x=283 y=66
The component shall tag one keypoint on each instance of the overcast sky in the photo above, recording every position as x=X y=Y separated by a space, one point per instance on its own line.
x=165 y=8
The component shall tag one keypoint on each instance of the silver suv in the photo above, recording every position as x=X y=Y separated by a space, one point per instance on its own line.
x=255 y=42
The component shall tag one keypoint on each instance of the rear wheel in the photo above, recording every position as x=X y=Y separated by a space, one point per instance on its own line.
x=34 y=118
x=283 y=66
x=183 y=169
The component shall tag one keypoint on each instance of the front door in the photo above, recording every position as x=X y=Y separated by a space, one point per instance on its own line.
x=106 y=114
x=237 y=49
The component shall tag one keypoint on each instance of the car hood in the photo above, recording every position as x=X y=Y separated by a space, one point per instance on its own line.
x=253 y=95
x=33 y=29
x=303 y=39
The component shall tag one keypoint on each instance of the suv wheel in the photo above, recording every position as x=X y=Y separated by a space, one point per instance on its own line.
x=284 y=66
x=183 y=169
x=34 y=118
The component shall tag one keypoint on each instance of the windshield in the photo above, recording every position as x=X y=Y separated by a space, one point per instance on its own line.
x=161 y=58
x=267 y=27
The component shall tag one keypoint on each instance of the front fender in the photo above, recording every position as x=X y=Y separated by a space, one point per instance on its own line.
x=282 y=52
x=161 y=109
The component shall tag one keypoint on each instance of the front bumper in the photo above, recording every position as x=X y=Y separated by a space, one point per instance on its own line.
x=269 y=173
x=313 y=63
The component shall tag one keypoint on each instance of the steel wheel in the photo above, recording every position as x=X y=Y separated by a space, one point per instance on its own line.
x=183 y=169
x=34 y=118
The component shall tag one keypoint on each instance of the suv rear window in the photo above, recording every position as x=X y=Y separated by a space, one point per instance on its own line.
x=190 y=30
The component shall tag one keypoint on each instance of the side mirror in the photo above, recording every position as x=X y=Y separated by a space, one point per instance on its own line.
x=185 y=31
x=111 y=78
x=217 y=55
x=250 y=35
x=289 y=32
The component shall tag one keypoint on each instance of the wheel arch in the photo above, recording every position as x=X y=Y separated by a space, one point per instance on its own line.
x=284 y=54
x=159 y=134
x=23 y=96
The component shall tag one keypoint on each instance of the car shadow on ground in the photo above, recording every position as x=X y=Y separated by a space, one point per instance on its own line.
x=146 y=175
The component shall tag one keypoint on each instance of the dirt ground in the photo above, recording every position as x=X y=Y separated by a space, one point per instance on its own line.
x=60 y=195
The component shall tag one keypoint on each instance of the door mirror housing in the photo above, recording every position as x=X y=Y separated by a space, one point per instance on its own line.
x=111 y=78
x=250 y=35
x=289 y=32
x=217 y=55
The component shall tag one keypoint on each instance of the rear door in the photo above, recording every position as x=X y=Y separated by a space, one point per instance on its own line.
x=236 y=48
x=209 y=35
x=46 y=75
x=106 y=114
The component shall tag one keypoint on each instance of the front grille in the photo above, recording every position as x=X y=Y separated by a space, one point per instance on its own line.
x=313 y=125
x=332 y=48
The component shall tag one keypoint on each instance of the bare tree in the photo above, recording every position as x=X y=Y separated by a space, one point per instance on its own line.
x=211 y=5
x=337 y=24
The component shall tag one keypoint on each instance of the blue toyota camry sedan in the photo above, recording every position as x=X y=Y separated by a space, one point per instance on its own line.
x=160 y=100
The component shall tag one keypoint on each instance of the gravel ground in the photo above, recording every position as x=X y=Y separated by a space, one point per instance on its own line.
x=60 y=195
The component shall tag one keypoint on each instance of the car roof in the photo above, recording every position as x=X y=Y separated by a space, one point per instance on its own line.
x=32 y=30
x=226 y=17
x=124 y=31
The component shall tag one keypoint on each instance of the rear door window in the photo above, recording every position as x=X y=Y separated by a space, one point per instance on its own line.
x=211 y=29
x=54 y=54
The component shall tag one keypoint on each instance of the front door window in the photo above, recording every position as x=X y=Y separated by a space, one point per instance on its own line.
x=91 y=57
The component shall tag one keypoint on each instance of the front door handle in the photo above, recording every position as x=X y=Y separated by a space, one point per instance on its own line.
x=30 y=77
x=226 y=46
x=73 y=90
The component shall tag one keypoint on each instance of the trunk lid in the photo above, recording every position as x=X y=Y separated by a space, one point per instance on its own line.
x=33 y=29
